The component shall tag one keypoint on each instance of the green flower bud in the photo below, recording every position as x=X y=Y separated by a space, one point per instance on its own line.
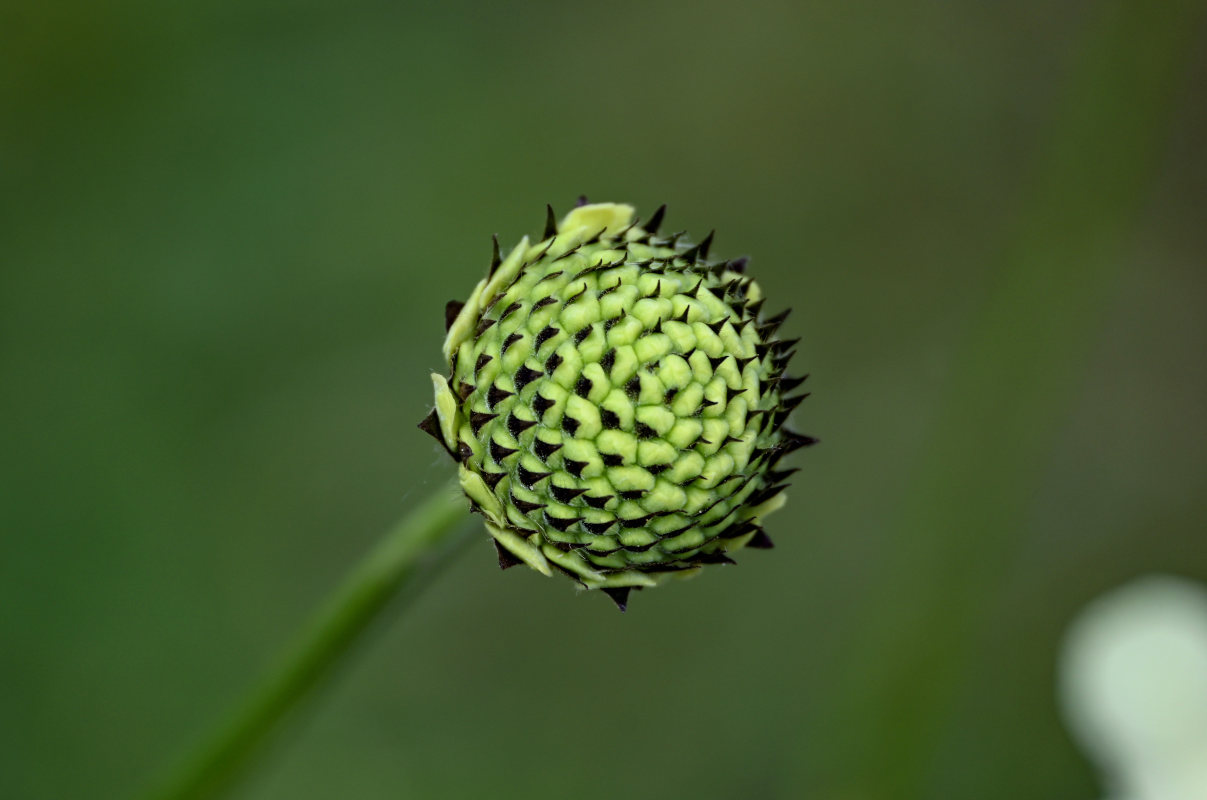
x=616 y=403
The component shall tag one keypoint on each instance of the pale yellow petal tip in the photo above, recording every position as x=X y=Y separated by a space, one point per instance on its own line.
x=621 y=580
x=506 y=271
x=770 y=507
x=446 y=410
x=611 y=218
x=572 y=562
x=475 y=489
x=464 y=324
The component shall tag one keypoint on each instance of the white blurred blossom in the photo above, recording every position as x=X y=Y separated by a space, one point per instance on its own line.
x=1133 y=686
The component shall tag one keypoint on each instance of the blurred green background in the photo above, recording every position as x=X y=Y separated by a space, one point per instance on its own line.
x=227 y=233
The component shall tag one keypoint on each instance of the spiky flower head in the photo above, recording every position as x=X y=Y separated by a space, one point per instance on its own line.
x=616 y=403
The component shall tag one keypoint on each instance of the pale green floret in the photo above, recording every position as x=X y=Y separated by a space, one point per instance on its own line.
x=615 y=402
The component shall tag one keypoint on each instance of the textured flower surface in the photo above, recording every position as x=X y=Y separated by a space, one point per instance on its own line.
x=616 y=401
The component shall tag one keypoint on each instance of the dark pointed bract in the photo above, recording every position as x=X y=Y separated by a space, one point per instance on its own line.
x=788 y=384
x=431 y=426
x=655 y=222
x=516 y=426
x=544 y=449
x=559 y=523
x=507 y=559
x=525 y=506
x=760 y=540
x=483 y=325
x=524 y=376
x=451 y=309
x=496 y=258
x=699 y=251
x=619 y=595
x=496 y=395
x=492 y=478
x=541 y=404
x=530 y=478
x=500 y=452
x=477 y=419
x=564 y=495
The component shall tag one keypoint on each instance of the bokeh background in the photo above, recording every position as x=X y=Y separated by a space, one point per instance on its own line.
x=227 y=233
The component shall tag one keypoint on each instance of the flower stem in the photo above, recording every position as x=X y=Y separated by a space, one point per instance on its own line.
x=416 y=548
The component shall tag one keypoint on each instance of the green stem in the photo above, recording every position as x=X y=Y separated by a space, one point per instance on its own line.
x=412 y=550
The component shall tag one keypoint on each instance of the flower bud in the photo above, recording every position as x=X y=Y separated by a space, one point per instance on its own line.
x=616 y=403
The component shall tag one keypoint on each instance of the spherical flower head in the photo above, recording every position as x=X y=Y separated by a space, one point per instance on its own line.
x=616 y=403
